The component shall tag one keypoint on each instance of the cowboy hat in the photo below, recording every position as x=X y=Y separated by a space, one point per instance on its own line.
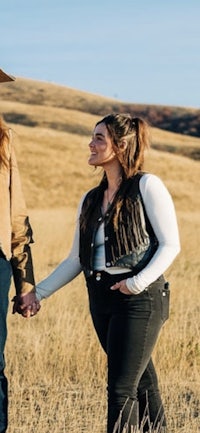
x=5 y=77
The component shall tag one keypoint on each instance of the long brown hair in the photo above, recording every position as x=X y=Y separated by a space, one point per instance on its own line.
x=4 y=140
x=136 y=133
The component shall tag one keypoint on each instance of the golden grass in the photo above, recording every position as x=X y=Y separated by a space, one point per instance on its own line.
x=50 y=160
x=74 y=121
x=55 y=366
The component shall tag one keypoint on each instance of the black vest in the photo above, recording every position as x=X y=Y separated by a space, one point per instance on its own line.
x=132 y=243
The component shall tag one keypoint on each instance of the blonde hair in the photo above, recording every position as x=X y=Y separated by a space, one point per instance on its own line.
x=4 y=140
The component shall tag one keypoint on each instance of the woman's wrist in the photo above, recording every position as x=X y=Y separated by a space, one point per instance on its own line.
x=132 y=287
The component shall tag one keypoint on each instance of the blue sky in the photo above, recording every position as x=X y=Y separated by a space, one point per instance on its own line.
x=145 y=51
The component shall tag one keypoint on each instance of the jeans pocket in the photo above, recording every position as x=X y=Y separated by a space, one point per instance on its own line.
x=165 y=294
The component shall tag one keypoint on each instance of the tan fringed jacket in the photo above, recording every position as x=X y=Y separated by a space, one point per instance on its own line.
x=15 y=229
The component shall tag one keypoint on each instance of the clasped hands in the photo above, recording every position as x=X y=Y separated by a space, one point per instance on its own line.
x=26 y=304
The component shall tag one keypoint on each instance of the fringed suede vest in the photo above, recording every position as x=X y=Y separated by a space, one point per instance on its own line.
x=130 y=241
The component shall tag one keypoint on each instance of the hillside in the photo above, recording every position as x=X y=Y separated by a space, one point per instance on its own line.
x=52 y=126
x=55 y=172
x=176 y=119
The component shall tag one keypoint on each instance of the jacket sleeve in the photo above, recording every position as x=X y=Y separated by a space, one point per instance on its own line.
x=21 y=233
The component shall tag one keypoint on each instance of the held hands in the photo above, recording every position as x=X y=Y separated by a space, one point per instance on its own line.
x=26 y=304
x=122 y=287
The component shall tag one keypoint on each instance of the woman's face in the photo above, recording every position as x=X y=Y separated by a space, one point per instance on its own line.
x=101 y=147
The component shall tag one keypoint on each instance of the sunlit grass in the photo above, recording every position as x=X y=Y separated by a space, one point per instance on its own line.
x=55 y=366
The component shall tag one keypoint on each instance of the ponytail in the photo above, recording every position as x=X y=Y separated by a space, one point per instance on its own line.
x=142 y=143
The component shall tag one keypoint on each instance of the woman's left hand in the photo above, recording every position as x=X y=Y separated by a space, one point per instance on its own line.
x=26 y=304
x=122 y=287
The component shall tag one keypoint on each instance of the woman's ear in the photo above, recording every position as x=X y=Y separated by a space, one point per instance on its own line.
x=123 y=145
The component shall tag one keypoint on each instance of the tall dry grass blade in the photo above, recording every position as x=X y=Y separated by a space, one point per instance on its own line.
x=117 y=426
x=126 y=427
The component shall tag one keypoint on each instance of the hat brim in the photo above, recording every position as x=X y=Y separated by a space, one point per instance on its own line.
x=5 y=77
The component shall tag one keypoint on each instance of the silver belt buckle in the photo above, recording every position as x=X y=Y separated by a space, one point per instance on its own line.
x=98 y=276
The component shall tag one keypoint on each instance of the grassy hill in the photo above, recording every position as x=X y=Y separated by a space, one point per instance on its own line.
x=52 y=126
x=181 y=120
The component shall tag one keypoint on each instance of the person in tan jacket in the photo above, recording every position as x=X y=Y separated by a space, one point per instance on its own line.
x=15 y=252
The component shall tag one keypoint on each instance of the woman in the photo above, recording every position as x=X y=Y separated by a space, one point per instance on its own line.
x=15 y=253
x=123 y=243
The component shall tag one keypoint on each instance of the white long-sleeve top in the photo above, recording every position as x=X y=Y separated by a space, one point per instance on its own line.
x=161 y=213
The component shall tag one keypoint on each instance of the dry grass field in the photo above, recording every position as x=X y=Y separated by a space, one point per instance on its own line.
x=55 y=366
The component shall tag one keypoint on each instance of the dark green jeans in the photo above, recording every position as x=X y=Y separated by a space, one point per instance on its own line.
x=5 y=280
x=127 y=327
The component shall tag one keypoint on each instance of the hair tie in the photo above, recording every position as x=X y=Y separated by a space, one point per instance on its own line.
x=133 y=123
